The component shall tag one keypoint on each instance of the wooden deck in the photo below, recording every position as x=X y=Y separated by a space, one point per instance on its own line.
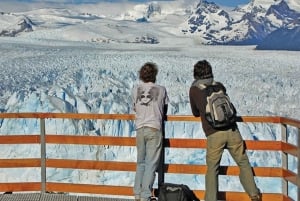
x=54 y=197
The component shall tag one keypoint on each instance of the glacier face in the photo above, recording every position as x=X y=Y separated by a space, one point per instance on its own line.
x=61 y=76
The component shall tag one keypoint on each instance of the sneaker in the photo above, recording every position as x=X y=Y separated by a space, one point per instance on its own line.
x=152 y=199
x=256 y=197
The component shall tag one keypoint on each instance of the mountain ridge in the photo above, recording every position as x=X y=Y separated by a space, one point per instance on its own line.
x=204 y=21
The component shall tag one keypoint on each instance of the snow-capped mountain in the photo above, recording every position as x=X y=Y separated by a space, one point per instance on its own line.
x=204 y=21
x=209 y=21
x=11 y=24
x=255 y=21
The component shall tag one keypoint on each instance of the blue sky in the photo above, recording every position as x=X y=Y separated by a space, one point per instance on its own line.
x=219 y=2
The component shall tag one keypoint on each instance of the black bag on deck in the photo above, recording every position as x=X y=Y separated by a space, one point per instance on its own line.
x=176 y=192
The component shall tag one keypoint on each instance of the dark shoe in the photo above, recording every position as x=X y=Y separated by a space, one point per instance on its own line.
x=152 y=199
x=256 y=197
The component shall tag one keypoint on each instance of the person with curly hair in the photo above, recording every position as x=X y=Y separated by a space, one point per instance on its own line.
x=150 y=103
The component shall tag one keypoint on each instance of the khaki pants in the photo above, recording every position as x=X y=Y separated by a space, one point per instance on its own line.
x=216 y=143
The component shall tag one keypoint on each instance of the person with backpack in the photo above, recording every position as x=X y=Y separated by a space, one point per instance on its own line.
x=209 y=101
x=150 y=102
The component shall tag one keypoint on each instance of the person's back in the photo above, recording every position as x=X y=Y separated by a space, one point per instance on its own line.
x=149 y=101
x=219 y=139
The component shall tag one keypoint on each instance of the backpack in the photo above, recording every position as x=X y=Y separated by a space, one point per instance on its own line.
x=176 y=192
x=219 y=111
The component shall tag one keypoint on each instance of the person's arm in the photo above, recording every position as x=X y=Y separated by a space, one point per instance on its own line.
x=133 y=99
x=165 y=112
x=165 y=109
x=193 y=105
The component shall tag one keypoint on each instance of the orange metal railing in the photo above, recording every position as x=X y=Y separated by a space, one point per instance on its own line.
x=286 y=149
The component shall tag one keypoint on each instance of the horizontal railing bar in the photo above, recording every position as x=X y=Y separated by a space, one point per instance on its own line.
x=131 y=166
x=264 y=119
x=290 y=176
x=289 y=149
x=234 y=196
x=90 y=140
x=19 y=139
x=201 y=143
x=169 y=168
x=89 y=188
x=263 y=145
x=91 y=164
x=260 y=119
x=20 y=163
x=224 y=170
x=130 y=141
x=256 y=119
x=68 y=116
x=290 y=121
x=19 y=187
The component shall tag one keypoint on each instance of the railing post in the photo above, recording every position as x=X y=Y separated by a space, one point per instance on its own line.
x=43 y=155
x=284 y=159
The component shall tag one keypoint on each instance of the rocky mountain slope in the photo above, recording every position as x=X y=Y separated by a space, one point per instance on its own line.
x=155 y=22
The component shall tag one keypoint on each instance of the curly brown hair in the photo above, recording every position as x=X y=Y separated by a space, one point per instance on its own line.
x=203 y=70
x=148 y=72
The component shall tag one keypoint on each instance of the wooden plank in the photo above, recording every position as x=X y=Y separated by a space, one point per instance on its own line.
x=169 y=168
x=19 y=139
x=130 y=141
x=185 y=168
x=263 y=119
x=290 y=176
x=90 y=140
x=260 y=119
x=224 y=170
x=289 y=149
x=242 y=196
x=185 y=143
x=290 y=121
x=18 y=187
x=88 y=164
x=68 y=116
x=182 y=118
x=258 y=171
x=263 y=145
x=255 y=119
x=174 y=143
x=201 y=143
x=20 y=163
x=89 y=188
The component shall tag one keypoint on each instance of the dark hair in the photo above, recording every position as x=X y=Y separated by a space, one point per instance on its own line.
x=202 y=70
x=148 y=72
